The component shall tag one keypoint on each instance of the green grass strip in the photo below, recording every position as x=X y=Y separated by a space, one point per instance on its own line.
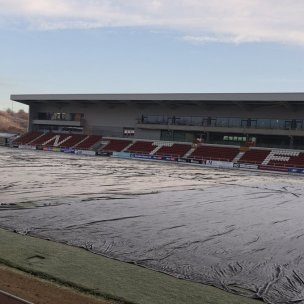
x=101 y=276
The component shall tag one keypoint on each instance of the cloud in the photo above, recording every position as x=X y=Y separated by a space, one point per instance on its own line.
x=199 y=21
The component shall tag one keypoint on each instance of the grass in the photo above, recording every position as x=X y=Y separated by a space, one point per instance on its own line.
x=97 y=275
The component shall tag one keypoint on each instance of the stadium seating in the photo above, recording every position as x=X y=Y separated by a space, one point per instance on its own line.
x=254 y=156
x=57 y=140
x=73 y=140
x=278 y=158
x=89 y=142
x=116 y=145
x=214 y=153
x=63 y=140
x=275 y=157
x=286 y=158
x=178 y=150
x=42 y=139
x=27 y=138
x=141 y=147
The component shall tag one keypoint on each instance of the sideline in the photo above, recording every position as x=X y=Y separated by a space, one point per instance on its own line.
x=37 y=290
x=9 y=298
x=101 y=276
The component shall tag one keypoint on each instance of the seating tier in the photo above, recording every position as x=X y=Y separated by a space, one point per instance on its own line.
x=254 y=156
x=27 y=138
x=215 y=153
x=178 y=150
x=141 y=147
x=288 y=160
x=116 y=145
x=89 y=142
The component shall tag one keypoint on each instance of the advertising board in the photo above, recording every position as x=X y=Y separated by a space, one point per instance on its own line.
x=273 y=168
x=27 y=147
x=121 y=154
x=67 y=150
x=219 y=164
x=85 y=152
x=246 y=166
x=296 y=170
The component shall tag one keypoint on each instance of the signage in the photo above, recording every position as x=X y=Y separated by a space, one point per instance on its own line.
x=121 y=154
x=85 y=152
x=273 y=168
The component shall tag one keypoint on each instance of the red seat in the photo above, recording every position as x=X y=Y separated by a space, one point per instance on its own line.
x=42 y=139
x=73 y=140
x=292 y=161
x=215 y=153
x=254 y=156
x=141 y=147
x=116 y=145
x=89 y=142
x=178 y=150
x=27 y=138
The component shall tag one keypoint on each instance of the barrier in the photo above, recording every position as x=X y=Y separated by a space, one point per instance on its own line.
x=85 y=152
x=47 y=149
x=273 y=168
x=169 y=158
x=245 y=166
x=27 y=147
x=67 y=150
x=157 y=157
x=219 y=164
x=208 y=163
x=296 y=170
x=183 y=160
x=197 y=161
x=101 y=153
x=152 y=157
x=140 y=156
x=121 y=154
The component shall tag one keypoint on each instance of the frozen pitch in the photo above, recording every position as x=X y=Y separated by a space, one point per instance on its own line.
x=236 y=230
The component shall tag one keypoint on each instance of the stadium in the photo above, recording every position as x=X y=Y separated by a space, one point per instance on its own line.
x=243 y=130
x=171 y=228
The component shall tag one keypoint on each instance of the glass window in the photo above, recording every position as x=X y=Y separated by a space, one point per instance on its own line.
x=222 y=122
x=128 y=132
x=277 y=124
x=263 y=123
x=234 y=122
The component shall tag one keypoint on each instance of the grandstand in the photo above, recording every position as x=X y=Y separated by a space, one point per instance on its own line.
x=262 y=129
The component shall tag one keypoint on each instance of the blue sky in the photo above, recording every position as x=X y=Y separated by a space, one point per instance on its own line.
x=116 y=46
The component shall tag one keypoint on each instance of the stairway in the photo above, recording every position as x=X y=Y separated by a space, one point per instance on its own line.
x=81 y=141
x=127 y=147
x=238 y=157
x=189 y=152
x=155 y=150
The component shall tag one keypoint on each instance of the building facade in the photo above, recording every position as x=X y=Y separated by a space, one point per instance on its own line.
x=263 y=119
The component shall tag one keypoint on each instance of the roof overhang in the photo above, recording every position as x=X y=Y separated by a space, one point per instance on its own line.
x=287 y=100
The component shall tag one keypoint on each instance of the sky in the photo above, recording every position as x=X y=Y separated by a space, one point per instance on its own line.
x=150 y=46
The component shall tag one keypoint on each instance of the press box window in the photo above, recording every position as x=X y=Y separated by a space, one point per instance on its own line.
x=234 y=138
x=128 y=132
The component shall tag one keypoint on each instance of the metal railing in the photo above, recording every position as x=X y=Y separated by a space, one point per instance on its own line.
x=225 y=122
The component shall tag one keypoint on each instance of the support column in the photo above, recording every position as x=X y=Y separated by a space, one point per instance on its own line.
x=291 y=142
x=207 y=137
